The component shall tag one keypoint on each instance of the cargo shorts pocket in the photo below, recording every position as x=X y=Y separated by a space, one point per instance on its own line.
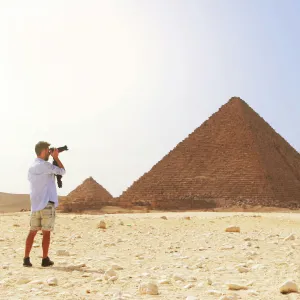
x=48 y=217
x=35 y=221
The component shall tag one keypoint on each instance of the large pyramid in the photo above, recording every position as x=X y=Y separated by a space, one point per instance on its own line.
x=90 y=195
x=234 y=158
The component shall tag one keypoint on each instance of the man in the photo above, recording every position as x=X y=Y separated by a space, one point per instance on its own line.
x=44 y=200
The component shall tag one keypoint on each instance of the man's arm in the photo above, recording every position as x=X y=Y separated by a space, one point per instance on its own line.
x=48 y=168
x=61 y=167
x=59 y=163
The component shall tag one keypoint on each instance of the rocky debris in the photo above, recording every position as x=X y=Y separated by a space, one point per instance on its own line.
x=116 y=267
x=178 y=277
x=36 y=282
x=291 y=237
x=164 y=218
x=23 y=280
x=164 y=281
x=188 y=286
x=227 y=247
x=52 y=281
x=289 y=287
x=236 y=286
x=214 y=292
x=233 y=229
x=62 y=253
x=102 y=225
x=148 y=288
x=110 y=275
x=242 y=269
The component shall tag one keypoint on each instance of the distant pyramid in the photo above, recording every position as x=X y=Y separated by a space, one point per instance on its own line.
x=233 y=158
x=89 y=195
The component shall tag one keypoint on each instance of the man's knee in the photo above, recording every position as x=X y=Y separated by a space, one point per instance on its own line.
x=33 y=232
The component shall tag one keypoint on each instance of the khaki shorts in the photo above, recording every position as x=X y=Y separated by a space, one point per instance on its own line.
x=43 y=219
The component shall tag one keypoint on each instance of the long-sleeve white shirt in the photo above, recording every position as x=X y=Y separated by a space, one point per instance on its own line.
x=42 y=183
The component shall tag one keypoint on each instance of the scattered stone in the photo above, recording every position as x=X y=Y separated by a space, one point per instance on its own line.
x=178 y=277
x=110 y=275
x=236 y=286
x=148 y=288
x=164 y=281
x=227 y=247
x=52 y=281
x=291 y=237
x=98 y=279
x=102 y=225
x=233 y=229
x=188 y=286
x=116 y=267
x=164 y=218
x=209 y=281
x=187 y=218
x=62 y=253
x=36 y=282
x=289 y=287
x=23 y=280
x=214 y=292
x=243 y=269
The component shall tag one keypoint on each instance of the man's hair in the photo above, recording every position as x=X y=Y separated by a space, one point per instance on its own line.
x=40 y=146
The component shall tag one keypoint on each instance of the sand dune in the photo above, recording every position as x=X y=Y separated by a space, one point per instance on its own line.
x=14 y=202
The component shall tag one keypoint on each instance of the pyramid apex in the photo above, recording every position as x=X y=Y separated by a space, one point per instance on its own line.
x=236 y=99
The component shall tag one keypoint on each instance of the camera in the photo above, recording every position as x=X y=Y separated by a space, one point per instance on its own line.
x=58 y=177
x=60 y=149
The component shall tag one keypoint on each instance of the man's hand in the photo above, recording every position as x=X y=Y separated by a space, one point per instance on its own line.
x=54 y=154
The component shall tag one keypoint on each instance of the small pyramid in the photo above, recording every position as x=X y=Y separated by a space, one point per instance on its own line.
x=234 y=158
x=90 y=195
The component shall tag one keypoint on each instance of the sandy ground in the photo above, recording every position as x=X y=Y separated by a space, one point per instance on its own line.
x=183 y=257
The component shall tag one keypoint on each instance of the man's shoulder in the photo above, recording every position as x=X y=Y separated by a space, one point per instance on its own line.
x=38 y=163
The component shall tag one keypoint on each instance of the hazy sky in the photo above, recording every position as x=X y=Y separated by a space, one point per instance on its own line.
x=123 y=82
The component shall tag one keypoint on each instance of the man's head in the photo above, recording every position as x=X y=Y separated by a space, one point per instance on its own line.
x=42 y=150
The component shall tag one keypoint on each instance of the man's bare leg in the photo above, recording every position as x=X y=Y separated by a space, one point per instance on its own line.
x=46 y=243
x=46 y=262
x=29 y=242
x=28 y=246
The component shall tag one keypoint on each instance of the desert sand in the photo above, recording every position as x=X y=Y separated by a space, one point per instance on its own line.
x=14 y=202
x=187 y=255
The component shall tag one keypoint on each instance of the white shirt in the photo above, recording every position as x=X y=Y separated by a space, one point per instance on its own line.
x=42 y=183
